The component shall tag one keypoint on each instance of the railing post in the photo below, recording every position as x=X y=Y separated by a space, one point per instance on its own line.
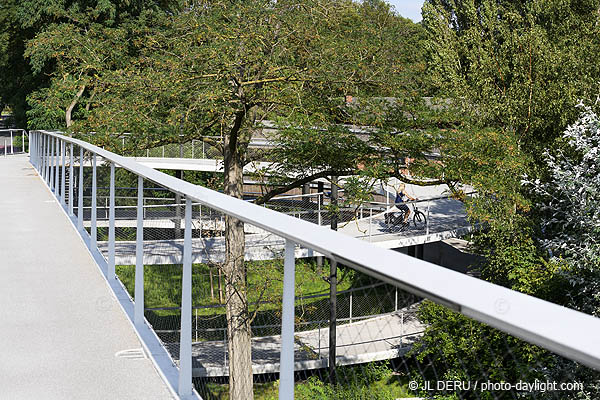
x=370 y=221
x=71 y=179
x=63 y=149
x=45 y=154
x=319 y=208
x=26 y=147
x=56 y=169
x=401 y=327
x=51 y=183
x=396 y=300
x=350 y=307
x=185 y=340
x=4 y=147
x=94 y=230
x=111 y=225
x=139 y=257
x=427 y=219
x=32 y=155
x=80 y=191
x=12 y=148
x=286 y=370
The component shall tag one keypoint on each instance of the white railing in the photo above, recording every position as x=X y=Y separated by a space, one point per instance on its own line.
x=564 y=331
x=10 y=140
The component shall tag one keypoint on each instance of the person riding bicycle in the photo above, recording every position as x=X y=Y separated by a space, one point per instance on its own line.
x=401 y=197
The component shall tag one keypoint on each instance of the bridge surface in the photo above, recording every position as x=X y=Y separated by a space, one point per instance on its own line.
x=373 y=339
x=62 y=329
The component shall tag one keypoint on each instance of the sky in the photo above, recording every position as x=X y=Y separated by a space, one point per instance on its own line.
x=408 y=8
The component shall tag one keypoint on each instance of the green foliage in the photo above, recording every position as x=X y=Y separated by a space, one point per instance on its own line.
x=265 y=281
x=518 y=64
x=462 y=349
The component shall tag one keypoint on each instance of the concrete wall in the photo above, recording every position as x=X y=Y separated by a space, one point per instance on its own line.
x=450 y=253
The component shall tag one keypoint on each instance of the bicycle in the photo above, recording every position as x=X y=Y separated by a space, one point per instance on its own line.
x=396 y=219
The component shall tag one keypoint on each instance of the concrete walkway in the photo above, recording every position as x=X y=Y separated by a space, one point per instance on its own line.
x=61 y=328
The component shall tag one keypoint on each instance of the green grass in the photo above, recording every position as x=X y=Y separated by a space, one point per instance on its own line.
x=373 y=381
x=162 y=284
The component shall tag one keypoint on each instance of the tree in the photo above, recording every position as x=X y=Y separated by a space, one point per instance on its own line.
x=569 y=204
x=219 y=69
x=69 y=27
x=517 y=64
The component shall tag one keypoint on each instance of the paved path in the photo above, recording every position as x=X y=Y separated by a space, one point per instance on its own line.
x=380 y=338
x=446 y=218
x=61 y=327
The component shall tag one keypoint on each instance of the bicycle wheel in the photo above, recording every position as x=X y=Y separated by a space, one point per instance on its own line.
x=419 y=220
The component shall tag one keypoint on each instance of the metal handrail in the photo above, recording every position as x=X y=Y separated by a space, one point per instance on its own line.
x=532 y=319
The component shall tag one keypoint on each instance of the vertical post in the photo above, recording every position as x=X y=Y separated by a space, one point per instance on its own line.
x=185 y=340
x=163 y=151
x=63 y=149
x=32 y=155
x=192 y=148
x=26 y=147
x=94 y=230
x=177 y=222
x=427 y=220
x=139 y=257
x=350 y=307
x=80 y=191
x=319 y=332
x=332 y=320
x=286 y=371
x=12 y=148
x=319 y=201
x=56 y=168
x=396 y=300
x=4 y=147
x=45 y=157
x=401 y=327
x=71 y=179
x=111 y=225
x=370 y=221
x=333 y=286
x=51 y=167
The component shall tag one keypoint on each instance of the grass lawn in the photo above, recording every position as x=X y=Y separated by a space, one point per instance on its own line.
x=374 y=381
x=162 y=284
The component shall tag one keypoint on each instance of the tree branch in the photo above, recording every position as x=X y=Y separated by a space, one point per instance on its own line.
x=282 y=189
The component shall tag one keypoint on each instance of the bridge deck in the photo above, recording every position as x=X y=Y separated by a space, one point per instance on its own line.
x=61 y=326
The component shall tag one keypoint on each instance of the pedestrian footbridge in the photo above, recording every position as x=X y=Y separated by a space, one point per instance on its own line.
x=71 y=326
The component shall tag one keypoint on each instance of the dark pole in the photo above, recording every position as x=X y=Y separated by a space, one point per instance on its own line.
x=333 y=286
x=178 y=175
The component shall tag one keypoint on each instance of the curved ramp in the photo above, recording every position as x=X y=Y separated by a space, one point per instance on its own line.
x=375 y=339
x=446 y=218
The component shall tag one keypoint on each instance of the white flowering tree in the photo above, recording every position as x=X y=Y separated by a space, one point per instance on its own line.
x=570 y=208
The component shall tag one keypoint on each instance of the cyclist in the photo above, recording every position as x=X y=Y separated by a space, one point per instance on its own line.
x=401 y=197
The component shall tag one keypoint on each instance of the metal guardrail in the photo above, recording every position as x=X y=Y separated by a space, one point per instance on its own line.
x=9 y=142
x=564 y=331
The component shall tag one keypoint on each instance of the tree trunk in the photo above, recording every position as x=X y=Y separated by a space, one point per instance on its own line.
x=69 y=109
x=238 y=322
